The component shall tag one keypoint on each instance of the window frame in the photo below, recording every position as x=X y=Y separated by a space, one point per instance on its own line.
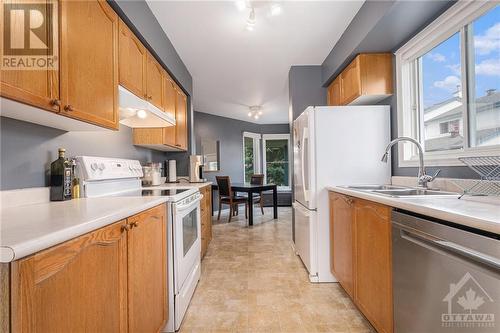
x=409 y=121
x=256 y=137
x=269 y=137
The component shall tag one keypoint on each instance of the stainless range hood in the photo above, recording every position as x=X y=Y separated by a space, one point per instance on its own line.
x=138 y=113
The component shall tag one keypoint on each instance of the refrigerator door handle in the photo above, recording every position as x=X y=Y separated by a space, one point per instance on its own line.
x=305 y=136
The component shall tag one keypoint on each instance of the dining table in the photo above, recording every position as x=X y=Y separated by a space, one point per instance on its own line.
x=250 y=190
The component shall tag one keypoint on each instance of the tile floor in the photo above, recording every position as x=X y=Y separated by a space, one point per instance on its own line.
x=253 y=282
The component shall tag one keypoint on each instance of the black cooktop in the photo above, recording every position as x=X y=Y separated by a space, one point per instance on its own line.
x=156 y=193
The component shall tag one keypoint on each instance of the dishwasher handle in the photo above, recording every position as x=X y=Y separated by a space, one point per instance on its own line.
x=428 y=240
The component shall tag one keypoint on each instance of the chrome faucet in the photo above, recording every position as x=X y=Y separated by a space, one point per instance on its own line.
x=423 y=178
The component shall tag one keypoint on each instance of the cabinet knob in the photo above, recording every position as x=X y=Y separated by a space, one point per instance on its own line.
x=125 y=227
x=55 y=102
x=68 y=108
x=349 y=201
x=177 y=145
x=134 y=225
x=150 y=97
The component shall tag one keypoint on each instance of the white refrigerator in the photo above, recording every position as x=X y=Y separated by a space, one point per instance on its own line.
x=333 y=146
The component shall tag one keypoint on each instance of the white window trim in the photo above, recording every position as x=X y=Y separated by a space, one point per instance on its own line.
x=266 y=137
x=256 y=151
x=460 y=14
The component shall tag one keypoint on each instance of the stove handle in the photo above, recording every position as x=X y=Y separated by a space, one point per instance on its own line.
x=180 y=207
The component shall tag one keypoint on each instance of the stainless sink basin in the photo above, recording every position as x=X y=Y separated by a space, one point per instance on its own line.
x=411 y=192
x=374 y=187
x=400 y=191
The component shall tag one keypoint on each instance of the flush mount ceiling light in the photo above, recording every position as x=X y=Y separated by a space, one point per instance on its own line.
x=255 y=111
x=273 y=8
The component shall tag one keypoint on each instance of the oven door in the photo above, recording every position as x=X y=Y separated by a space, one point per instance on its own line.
x=187 y=239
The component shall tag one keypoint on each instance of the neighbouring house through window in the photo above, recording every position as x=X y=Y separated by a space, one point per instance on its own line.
x=449 y=85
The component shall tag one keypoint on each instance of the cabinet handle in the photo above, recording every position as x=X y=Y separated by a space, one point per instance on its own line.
x=68 y=108
x=134 y=225
x=125 y=227
x=349 y=201
x=55 y=102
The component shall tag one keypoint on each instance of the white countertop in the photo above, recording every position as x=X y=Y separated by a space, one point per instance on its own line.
x=475 y=212
x=27 y=229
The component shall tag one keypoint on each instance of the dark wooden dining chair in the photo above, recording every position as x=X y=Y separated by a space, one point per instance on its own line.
x=258 y=179
x=227 y=196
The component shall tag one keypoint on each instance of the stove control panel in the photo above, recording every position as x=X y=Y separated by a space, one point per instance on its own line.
x=102 y=168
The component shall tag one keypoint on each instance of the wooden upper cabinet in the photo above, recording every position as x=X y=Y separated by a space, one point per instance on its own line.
x=147 y=271
x=367 y=79
x=89 y=62
x=154 y=82
x=334 y=94
x=169 y=102
x=342 y=240
x=350 y=79
x=39 y=88
x=181 y=130
x=132 y=57
x=373 y=255
x=78 y=286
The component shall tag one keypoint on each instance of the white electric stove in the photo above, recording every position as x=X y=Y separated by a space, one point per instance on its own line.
x=101 y=176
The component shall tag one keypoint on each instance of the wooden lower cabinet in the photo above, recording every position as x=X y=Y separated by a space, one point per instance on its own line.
x=78 y=286
x=373 y=262
x=147 y=271
x=361 y=252
x=110 y=280
x=341 y=246
x=206 y=218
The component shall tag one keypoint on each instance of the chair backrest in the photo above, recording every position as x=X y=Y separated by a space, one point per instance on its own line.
x=224 y=184
x=257 y=179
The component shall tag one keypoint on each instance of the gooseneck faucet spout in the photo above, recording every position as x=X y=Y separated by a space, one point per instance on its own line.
x=423 y=178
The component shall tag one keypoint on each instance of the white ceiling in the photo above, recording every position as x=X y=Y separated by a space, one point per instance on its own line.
x=233 y=68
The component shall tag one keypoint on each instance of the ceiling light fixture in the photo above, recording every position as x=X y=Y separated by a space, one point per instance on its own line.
x=255 y=111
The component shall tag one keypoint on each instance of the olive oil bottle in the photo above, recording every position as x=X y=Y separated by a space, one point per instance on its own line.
x=60 y=178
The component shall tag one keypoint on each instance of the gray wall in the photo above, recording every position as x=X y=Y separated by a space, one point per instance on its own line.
x=305 y=89
x=28 y=149
x=382 y=26
x=230 y=134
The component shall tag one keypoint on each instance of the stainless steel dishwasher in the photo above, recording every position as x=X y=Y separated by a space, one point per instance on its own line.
x=445 y=278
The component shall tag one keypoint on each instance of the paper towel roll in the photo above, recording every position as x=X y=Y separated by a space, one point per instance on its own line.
x=172 y=171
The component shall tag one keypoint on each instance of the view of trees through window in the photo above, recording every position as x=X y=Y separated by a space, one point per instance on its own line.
x=248 y=158
x=277 y=165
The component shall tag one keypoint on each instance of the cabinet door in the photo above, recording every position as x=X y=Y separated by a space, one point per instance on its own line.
x=89 y=62
x=132 y=62
x=39 y=87
x=169 y=101
x=373 y=287
x=78 y=286
x=154 y=82
x=181 y=132
x=335 y=92
x=350 y=82
x=341 y=240
x=147 y=270
x=376 y=73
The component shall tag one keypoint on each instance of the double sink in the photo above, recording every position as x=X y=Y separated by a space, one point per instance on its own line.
x=400 y=191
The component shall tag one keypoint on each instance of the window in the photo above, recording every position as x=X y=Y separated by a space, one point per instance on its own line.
x=449 y=86
x=276 y=159
x=251 y=155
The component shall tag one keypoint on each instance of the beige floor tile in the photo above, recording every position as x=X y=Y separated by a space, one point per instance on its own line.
x=253 y=282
